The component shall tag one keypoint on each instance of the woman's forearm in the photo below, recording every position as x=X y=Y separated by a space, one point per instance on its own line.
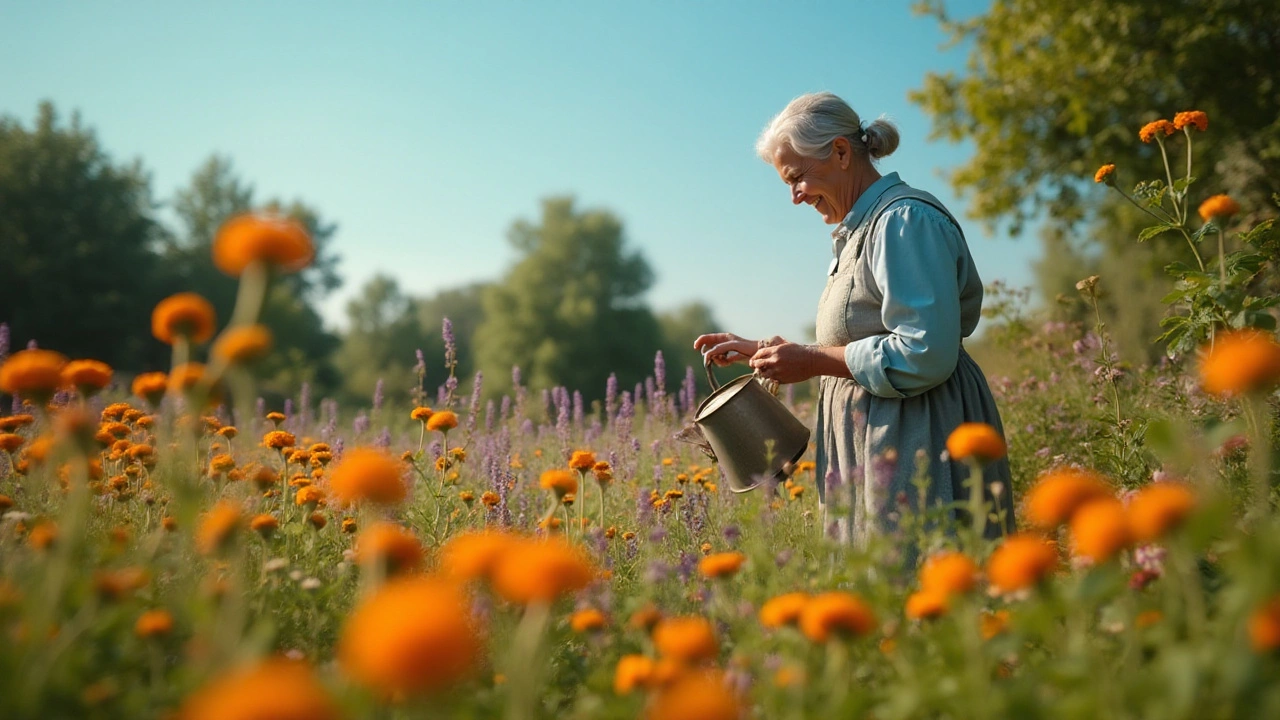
x=829 y=361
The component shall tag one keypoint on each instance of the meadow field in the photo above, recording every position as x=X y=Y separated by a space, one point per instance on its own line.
x=171 y=548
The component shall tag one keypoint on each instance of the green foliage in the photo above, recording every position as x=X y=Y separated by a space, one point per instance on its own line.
x=1052 y=90
x=570 y=311
x=76 y=237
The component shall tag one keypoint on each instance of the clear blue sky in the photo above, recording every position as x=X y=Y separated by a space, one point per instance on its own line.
x=425 y=128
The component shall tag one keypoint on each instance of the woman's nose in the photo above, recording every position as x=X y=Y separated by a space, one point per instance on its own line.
x=797 y=195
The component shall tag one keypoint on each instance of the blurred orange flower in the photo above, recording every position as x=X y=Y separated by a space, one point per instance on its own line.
x=391 y=544
x=217 y=527
x=185 y=314
x=1264 y=626
x=721 y=565
x=783 y=609
x=1158 y=508
x=976 y=440
x=582 y=460
x=561 y=482
x=836 y=613
x=442 y=421
x=588 y=620
x=1020 y=562
x=1218 y=207
x=86 y=376
x=541 y=571
x=277 y=689
x=1100 y=529
x=926 y=604
x=421 y=414
x=1195 y=118
x=279 y=242
x=1105 y=174
x=412 y=636
x=1058 y=493
x=151 y=386
x=633 y=671
x=33 y=372
x=153 y=623
x=1241 y=362
x=696 y=696
x=239 y=345
x=686 y=639
x=949 y=572
x=368 y=474
x=1152 y=130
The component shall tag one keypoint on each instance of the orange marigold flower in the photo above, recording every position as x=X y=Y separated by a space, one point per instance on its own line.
x=696 y=696
x=949 y=573
x=264 y=524
x=6 y=502
x=1240 y=362
x=368 y=474
x=1105 y=174
x=279 y=440
x=222 y=463
x=10 y=442
x=541 y=571
x=308 y=497
x=588 y=620
x=1264 y=626
x=1191 y=117
x=490 y=499
x=86 y=376
x=561 y=482
x=217 y=527
x=153 y=623
x=168 y=523
x=280 y=242
x=1158 y=508
x=721 y=565
x=603 y=472
x=993 y=623
x=43 y=535
x=1100 y=529
x=472 y=555
x=185 y=314
x=645 y=618
x=151 y=386
x=686 y=639
x=15 y=422
x=277 y=689
x=1020 y=562
x=276 y=417
x=317 y=520
x=1058 y=493
x=229 y=432
x=783 y=609
x=633 y=671
x=390 y=544
x=412 y=636
x=33 y=372
x=836 y=612
x=244 y=344
x=1152 y=130
x=582 y=460
x=421 y=414
x=442 y=421
x=926 y=604
x=979 y=441
x=1218 y=207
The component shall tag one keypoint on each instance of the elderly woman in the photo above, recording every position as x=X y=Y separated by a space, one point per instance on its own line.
x=902 y=292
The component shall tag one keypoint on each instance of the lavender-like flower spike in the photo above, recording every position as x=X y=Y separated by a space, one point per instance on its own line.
x=450 y=347
x=4 y=341
x=610 y=397
x=304 y=402
x=690 y=389
x=578 y=412
x=421 y=367
x=377 y=395
x=361 y=424
x=384 y=439
x=475 y=401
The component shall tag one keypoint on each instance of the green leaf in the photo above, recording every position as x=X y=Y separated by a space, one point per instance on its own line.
x=1180 y=186
x=1154 y=230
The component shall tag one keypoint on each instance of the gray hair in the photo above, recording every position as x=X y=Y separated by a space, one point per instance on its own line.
x=811 y=123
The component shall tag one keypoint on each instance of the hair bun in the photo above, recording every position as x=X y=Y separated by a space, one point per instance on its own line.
x=881 y=138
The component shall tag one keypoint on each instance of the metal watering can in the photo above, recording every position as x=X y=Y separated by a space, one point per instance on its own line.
x=738 y=420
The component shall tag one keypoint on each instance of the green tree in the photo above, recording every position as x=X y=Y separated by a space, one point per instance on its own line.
x=571 y=310
x=679 y=327
x=77 y=241
x=304 y=348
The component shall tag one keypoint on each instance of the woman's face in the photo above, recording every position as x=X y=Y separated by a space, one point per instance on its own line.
x=825 y=184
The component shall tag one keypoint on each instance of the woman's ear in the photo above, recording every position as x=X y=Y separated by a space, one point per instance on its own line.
x=841 y=149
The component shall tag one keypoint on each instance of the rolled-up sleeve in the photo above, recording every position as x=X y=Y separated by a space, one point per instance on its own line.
x=914 y=259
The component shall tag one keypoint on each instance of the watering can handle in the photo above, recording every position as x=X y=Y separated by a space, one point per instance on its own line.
x=711 y=378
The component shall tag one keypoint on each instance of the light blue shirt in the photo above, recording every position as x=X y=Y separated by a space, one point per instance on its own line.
x=932 y=296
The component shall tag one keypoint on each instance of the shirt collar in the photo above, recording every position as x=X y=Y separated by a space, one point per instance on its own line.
x=861 y=207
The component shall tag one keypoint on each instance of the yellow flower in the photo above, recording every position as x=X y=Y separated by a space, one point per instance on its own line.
x=1195 y=118
x=1158 y=508
x=153 y=623
x=975 y=440
x=835 y=612
x=239 y=345
x=185 y=314
x=1218 y=207
x=1152 y=130
x=277 y=689
x=561 y=482
x=1100 y=529
x=588 y=620
x=280 y=242
x=1240 y=362
x=442 y=421
x=367 y=474
x=721 y=565
x=1020 y=562
x=783 y=609
x=633 y=671
x=217 y=527
x=541 y=571
x=582 y=460
x=34 y=372
x=1058 y=493
x=686 y=639
x=391 y=544
x=1105 y=174
x=949 y=573
x=412 y=636
x=926 y=604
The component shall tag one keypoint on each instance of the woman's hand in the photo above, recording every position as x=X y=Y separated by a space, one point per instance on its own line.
x=725 y=348
x=784 y=362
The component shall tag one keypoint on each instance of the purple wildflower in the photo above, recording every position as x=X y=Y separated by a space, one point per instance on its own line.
x=384 y=439
x=304 y=403
x=578 y=412
x=361 y=424
x=4 y=341
x=475 y=401
x=450 y=347
x=377 y=395
x=610 y=396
